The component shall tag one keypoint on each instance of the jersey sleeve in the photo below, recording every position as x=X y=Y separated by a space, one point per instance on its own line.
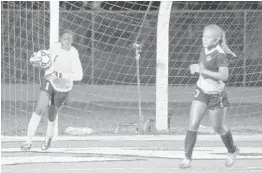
x=77 y=71
x=52 y=50
x=222 y=60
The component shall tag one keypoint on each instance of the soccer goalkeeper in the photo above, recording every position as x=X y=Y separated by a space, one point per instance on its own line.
x=55 y=86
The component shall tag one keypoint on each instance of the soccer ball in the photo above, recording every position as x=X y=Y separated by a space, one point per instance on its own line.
x=41 y=59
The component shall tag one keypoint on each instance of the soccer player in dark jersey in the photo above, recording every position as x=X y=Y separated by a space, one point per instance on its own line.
x=210 y=95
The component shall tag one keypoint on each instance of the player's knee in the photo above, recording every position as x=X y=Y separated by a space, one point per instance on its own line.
x=40 y=109
x=193 y=127
x=42 y=103
x=52 y=113
x=221 y=130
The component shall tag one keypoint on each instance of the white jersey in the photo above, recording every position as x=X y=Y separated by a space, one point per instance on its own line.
x=66 y=65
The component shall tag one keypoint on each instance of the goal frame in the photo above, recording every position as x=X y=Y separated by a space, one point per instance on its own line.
x=54 y=37
x=162 y=59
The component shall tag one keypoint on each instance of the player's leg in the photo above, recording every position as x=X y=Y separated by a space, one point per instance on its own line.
x=218 y=115
x=52 y=113
x=42 y=104
x=41 y=107
x=197 y=112
x=57 y=101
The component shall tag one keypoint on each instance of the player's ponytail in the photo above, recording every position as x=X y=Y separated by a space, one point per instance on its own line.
x=221 y=35
x=224 y=44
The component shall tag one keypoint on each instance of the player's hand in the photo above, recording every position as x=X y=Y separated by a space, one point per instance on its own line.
x=194 y=68
x=62 y=84
x=67 y=76
x=201 y=68
x=50 y=76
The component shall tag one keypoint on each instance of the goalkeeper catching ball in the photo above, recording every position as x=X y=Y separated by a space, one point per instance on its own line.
x=55 y=86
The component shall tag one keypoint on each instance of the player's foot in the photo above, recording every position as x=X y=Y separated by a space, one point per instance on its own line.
x=46 y=144
x=231 y=157
x=26 y=146
x=185 y=163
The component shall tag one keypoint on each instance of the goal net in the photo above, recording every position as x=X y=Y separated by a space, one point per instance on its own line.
x=119 y=80
x=242 y=23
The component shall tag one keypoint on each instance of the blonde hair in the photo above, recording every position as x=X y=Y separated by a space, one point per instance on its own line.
x=221 y=35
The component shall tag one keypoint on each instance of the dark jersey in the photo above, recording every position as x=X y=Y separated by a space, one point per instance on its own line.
x=212 y=61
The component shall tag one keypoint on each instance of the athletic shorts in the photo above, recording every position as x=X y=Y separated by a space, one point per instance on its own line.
x=213 y=101
x=57 y=98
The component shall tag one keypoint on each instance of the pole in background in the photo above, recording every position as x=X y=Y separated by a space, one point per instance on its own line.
x=54 y=37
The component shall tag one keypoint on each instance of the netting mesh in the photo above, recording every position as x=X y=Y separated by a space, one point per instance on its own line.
x=24 y=30
x=242 y=30
x=105 y=33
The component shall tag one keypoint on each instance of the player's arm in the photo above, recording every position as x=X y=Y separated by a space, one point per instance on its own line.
x=221 y=75
x=49 y=72
x=77 y=71
x=223 y=71
x=194 y=68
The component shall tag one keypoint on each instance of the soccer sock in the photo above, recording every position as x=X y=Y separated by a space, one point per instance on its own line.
x=190 y=141
x=50 y=129
x=228 y=141
x=56 y=128
x=32 y=126
x=52 y=122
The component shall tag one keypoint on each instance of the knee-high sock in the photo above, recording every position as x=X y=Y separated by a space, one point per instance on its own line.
x=32 y=126
x=50 y=129
x=228 y=141
x=56 y=128
x=190 y=141
x=52 y=122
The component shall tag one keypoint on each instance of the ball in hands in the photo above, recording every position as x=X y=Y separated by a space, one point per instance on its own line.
x=41 y=59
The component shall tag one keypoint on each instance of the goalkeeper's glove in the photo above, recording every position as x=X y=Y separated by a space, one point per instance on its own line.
x=50 y=76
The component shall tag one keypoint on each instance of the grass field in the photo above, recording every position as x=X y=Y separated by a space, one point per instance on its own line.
x=103 y=111
x=245 y=118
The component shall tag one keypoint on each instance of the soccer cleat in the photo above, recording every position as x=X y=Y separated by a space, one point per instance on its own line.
x=46 y=144
x=231 y=157
x=26 y=147
x=185 y=163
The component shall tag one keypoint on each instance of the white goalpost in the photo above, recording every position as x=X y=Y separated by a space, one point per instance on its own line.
x=162 y=61
x=162 y=58
x=54 y=37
